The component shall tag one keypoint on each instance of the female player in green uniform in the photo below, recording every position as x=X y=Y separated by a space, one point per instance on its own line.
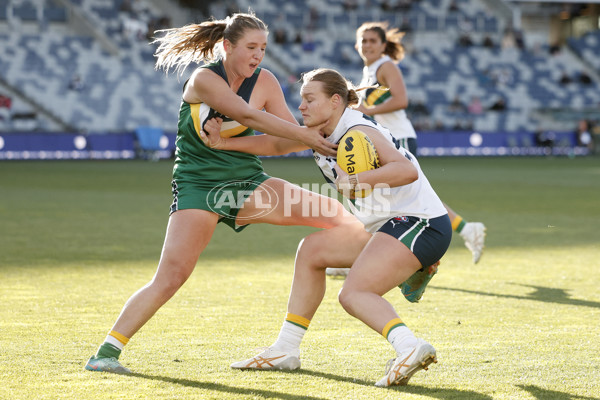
x=211 y=185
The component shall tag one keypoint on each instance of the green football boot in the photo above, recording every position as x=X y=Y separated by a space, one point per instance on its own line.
x=106 y=364
x=414 y=287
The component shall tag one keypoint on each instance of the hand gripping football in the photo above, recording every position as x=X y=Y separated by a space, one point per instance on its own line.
x=356 y=153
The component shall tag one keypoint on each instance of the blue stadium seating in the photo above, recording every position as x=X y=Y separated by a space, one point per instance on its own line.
x=125 y=92
x=25 y=11
x=588 y=47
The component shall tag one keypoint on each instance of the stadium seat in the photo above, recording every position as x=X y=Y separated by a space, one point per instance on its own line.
x=124 y=92
x=148 y=142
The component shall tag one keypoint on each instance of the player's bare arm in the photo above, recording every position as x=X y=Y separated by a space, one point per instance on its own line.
x=395 y=169
x=272 y=98
x=206 y=87
x=261 y=145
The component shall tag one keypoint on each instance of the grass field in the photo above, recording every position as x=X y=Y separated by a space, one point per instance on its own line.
x=78 y=238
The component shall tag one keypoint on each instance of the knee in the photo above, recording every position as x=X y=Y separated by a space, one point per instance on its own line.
x=309 y=253
x=346 y=298
x=172 y=285
x=167 y=284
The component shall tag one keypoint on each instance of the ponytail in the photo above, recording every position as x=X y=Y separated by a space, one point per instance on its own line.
x=179 y=47
x=352 y=98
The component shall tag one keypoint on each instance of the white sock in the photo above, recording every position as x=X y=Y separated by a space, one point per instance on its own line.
x=289 y=337
x=114 y=341
x=401 y=338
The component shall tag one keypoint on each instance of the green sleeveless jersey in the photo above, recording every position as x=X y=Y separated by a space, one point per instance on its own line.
x=199 y=164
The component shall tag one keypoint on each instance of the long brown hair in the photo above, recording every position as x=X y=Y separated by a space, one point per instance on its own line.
x=391 y=37
x=333 y=83
x=179 y=47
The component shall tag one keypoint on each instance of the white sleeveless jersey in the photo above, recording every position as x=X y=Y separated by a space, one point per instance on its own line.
x=396 y=121
x=415 y=199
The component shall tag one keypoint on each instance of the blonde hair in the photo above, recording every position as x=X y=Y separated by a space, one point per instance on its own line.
x=391 y=37
x=333 y=83
x=179 y=47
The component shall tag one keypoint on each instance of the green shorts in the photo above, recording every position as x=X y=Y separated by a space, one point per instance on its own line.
x=225 y=198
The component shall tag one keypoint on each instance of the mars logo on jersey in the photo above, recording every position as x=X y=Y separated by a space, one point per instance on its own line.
x=349 y=144
x=228 y=197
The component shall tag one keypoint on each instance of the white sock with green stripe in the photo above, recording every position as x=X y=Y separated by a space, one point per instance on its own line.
x=399 y=336
x=291 y=334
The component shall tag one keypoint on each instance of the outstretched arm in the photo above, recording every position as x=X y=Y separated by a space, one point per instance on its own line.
x=205 y=86
x=261 y=145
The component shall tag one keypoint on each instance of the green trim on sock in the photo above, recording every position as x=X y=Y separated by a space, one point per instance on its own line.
x=461 y=226
x=108 y=350
x=393 y=327
x=297 y=324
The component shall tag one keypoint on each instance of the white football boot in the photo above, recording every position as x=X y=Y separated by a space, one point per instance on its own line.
x=271 y=359
x=400 y=369
x=473 y=234
x=337 y=272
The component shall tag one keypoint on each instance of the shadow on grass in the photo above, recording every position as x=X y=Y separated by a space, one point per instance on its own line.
x=225 y=388
x=544 y=294
x=436 y=393
x=545 y=394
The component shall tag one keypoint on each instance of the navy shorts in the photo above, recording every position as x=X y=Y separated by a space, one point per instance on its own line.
x=428 y=239
x=409 y=144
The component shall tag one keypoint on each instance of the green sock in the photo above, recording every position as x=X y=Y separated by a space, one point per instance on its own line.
x=108 y=350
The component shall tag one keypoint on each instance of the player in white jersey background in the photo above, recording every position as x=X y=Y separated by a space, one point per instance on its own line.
x=386 y=99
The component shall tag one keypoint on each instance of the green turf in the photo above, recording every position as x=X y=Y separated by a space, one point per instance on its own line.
x=78 y=238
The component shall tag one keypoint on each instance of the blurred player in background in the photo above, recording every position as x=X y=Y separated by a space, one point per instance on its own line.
x=380 y=50
x=406 y=232
x=232 y=84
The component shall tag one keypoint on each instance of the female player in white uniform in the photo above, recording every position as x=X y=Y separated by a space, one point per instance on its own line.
x=386 y=104
x=406 y=230
x=380 y=49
